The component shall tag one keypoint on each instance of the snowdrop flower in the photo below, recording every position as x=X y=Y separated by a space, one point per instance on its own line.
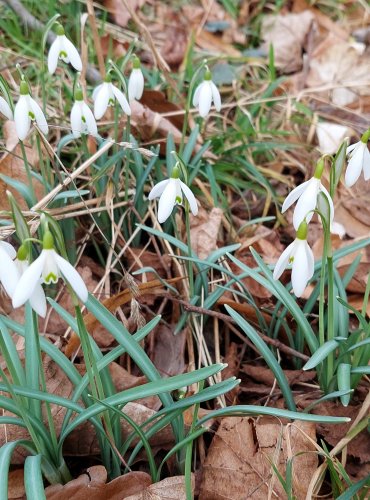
x=170 y=193
x=300 y=255
x=63 y=49
x=27 y=110
x=5 y=109
x=359 y=160
x=308 y=198
x=82 y=118
x=8 y=269
x=204 y=94
x=49 y=266
x=136 y=81
x=37 y=298
x=105 y=95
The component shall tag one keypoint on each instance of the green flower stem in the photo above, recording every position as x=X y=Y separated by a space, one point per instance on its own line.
x=46 y=178
x=188 y=240
x=128 y=154
x=189 y=450
x=28 y=172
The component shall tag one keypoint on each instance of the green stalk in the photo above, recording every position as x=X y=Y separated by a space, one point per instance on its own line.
x=28 y=172
x=190 y=264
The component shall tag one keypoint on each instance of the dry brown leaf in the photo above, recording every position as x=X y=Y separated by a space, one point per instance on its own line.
x=264 y=375
x=287 y=34
x=204 y=231
x=342 y=64
x=119 y=12
x=16 y=489
x=171 y=488
x=92 y=485
x=237 y=465
x=168 y=351
x=12 y=165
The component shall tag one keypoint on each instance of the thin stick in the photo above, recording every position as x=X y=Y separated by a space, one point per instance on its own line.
x=97 y=43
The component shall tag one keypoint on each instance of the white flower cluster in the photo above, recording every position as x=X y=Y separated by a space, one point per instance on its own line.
x=308 y=199
x=22 y=280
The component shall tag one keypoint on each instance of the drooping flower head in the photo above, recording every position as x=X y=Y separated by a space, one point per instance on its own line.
x=27 y=110
x=49 y=267
x=359 y=160
x=301 y=258
x=63 y=49
x=105 y=95
x=37 y=298
x=308 y=198
x=82 y=118
x=136 y=81
x=8 y=270
x=5 y=109
x=170 y=193
x=205 y=94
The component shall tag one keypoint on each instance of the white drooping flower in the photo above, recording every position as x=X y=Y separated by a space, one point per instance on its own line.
x=300 y=256
x=8 y=270
x=136 y=81
x=49 y=266
x=359 y=161
x=307 y=195
x=63 y=49
x=105 y=95
x=82 y=118
x=5 y=109
x=37 y=298
x=27 y=110
x=204 y=94
x=170 y=193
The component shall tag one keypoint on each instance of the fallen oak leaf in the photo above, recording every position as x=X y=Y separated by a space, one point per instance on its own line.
x=171 y=488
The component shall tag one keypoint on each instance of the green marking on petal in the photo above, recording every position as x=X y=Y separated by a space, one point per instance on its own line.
x=111 y=102
x=291 y=259
x=31 y=115
x=178 y=199
x=50 y=278
x=83 y=119
x=62 y=54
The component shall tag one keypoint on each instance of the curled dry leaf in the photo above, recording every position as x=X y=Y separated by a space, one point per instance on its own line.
x=238 y=461
x=171 y=488
x=204 y=231
x=168 y=351
x=287 y=34
x=93 y=485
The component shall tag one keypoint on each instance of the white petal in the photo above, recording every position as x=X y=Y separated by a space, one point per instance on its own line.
x=39 y=116
x=158 y=189
x=310 y=261
x=196 y=95
x=9 y=274
x=53 y=55
x=354 y=166
x=21 y=117
x=135 y=84
x=9 y=249
x=72 y=53
x=167 y=201
x=28 y=281
x=205 y=99
x=300 y=268
x=283 y=260
x=331 y=204
x=190 y=197
x=351 y=147
x=366 y=164
x=73 y=278
x=101 y=101
x=121 y=99
x=293 y=196
x=306 y=203
x=38 y=300
x=338 y=228
x=216 y=97
x=90 y=120
x=76 y=119
x=96 y=91
x=5 y=109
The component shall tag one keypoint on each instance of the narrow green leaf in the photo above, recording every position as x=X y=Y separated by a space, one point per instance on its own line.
x=33 y=482
x=344 y=381
x=321 y=354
